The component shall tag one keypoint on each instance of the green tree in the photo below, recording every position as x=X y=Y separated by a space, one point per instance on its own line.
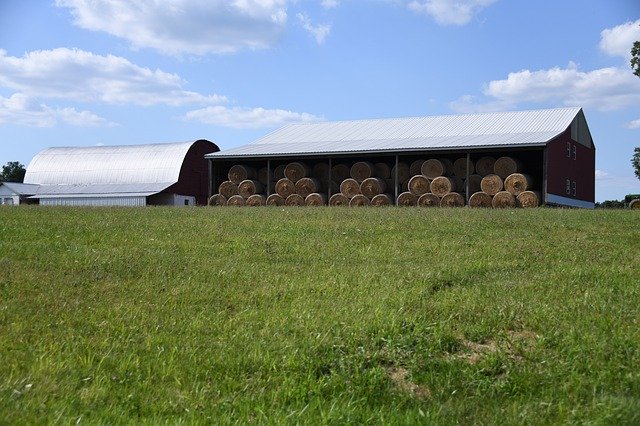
x=13 y=171
x=635 y=58
x=635 y=161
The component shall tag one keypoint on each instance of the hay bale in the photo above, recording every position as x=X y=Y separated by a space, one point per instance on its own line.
x=359 y=201
x=228 y=189
x=416 y=167
x=516 y=183
x=340 y=172
x=458 y=183
x=256 y=200
x=275 y=200
x=433 y=168
x=382 y=170
x=442 y=185
x=285 y=187
x=403 y=172
x=407 y=199
x=484 y=166
x=382 y=200
x=372 y=186
x=480 y=199
x=429 y=200
x=236 y=201
x=240 y=172
x=503 y=200
x=460 y=167
x=315 y=199
x=448 y=166
x=217 y=200
x=247 y=188
x=306 y=186
x=321 y=171
x=452 y=199
x=294 y=200
x=419 y=184
x=296 y=171
x=528 y=199
x=350 y=188
x=278 y=172
x=264 y=176
x=634 y=204
x=338 y=200
x=504 y=166
x=491 y=184
x=361 y=170
x=474 y=184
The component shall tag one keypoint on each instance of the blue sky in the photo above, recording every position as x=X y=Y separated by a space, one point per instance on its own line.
x=111 y=72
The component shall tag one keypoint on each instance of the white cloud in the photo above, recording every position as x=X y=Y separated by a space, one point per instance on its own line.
x=448 y=12
x=601 y=174
x=618 y=41
x=319 y=32
x=22 y=110
x=247 y=117
x=635 y=124
x=78 y=75
x=185 y=26
x=603 y=89
x=330 y=4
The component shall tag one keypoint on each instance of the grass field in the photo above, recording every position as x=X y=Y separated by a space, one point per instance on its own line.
x=342 y=316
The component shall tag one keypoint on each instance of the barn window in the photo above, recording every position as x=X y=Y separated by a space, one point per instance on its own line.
x=186 y=202
x=574 y=152
x=568 y=149
x=573 y=188
x=568 y=188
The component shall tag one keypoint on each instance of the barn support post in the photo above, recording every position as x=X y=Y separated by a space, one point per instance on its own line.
x=210 y=187
x=545 y=159
x=268 y=177
x=466 y=182
x=395 y=180
x=329 y=194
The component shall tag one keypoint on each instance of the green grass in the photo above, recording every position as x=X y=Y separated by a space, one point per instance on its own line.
x=341 y=316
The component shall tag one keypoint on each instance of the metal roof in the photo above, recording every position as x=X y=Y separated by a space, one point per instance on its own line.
x=515 y=128
x=123 y=164
x=100 y=190
x=21 y=188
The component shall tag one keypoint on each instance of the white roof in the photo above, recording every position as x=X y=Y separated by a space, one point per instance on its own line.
x=123 y=164
x=516 y=128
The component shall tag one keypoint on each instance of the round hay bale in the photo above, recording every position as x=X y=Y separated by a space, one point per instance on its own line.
x=338 y=200
x=321 y=171
x=296 y=171
x=264 y=176
x=403 y=172
x=278 y=172
x=407 y=199
x=442 y=185
x=503 y=200
x=359 y=201
x=634 y=204
x=350 y=188
x=239 y=172
x=372 y=186
x=256 y=200
x=491 y=184
x=382 y=170
x=448 y=166
x=315 y=199
x=480 y=199
x=306 y=186
x=528 y=199
x=516 y=183
x=340 y=172
x=236 y=201
x=433 y=168
x=419 y=184
x=294 y=200
x=474 y=183
x=416 y=167
x=217 y=200
x=361 y=170
x=484 y=166
x=452 y=199
x=228 y=189
x=460 y=167
x=247 y=188
x=284 y=188
x=382 y=200
x=504 y=166
x=275 y=200
x=429 y=200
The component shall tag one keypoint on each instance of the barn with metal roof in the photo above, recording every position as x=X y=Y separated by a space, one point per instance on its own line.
x=553 y=146
x=126 y=175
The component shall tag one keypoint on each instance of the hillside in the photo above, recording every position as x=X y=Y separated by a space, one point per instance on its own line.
x=320 y=315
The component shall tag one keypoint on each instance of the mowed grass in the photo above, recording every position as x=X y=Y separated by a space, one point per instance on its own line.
x=319 y=315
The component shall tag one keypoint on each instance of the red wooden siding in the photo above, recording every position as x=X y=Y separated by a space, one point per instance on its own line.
x=194 y=175
x=563 y=165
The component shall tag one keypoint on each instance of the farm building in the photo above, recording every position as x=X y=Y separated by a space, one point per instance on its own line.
x=12 y=193
x=126 y=175
x=473 y=159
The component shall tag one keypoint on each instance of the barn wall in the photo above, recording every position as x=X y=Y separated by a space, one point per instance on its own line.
x=194 y=174
x=570 y=171
x=90 y=201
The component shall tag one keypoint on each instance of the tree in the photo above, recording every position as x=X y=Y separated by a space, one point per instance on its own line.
x=13 y=171
x=635 y=161
x=635 y=58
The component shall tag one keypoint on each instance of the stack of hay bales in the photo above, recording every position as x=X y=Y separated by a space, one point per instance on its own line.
x=434 y=182
x=504 y=185
x=362 y=184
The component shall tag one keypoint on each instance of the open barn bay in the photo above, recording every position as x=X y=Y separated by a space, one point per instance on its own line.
x=325 y=315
